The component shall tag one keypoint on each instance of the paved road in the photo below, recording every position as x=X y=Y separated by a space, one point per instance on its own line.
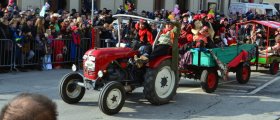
x=230 y=101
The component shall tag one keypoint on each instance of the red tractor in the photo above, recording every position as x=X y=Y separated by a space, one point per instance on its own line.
x=113 y=72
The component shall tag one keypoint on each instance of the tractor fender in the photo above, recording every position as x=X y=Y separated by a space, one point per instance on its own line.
x=156 y=62
x=73 y=73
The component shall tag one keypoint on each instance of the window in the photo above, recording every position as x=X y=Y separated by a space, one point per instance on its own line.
x=183 y=4
x=57 y=5
x=247 y=1
x=159 y=4
x=276 y=5
x=213 y=6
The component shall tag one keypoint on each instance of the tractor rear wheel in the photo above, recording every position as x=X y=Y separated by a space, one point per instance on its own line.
x=160 y=84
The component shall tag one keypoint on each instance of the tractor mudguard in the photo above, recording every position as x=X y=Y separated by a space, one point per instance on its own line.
x=238 y=59
x=156 y=62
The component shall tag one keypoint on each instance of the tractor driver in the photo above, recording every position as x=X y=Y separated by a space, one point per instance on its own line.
x=163 y=46
x=145 y=38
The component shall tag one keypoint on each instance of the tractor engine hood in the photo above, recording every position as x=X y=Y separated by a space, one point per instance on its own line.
x=104 y=56
x=111 y=53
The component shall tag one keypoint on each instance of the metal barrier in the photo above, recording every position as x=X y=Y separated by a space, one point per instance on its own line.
x=42 y=55
x=47 y=55
x=6 y=53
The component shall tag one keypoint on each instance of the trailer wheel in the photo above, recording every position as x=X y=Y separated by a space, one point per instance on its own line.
x=209 y=80
x=273 y=68
x=160 y=84
x=112 y=98
x=243 y=74
x=69 y=90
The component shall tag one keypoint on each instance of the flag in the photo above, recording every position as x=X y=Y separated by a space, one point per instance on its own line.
x=44 y=8
x=11 y=2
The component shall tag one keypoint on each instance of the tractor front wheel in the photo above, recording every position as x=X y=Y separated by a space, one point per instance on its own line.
x=69 y=90
x=112 y=98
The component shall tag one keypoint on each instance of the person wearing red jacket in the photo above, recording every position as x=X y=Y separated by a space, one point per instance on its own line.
x=75 y=45
x=145 y=35
x=59 y=48
x=145 y=38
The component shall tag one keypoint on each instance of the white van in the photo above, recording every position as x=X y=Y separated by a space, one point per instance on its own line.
x=243 y=8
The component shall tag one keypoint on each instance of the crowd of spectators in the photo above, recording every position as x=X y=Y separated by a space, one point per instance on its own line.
x=31 y=32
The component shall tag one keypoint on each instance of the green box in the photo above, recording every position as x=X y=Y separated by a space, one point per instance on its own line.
x=225 y=55
x=206 y=59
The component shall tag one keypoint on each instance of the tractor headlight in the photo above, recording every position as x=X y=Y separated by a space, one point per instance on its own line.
x=74 y=68
x=100 y=74
x=85 y=57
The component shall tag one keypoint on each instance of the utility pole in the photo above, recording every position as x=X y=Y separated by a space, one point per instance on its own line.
x=92 y=10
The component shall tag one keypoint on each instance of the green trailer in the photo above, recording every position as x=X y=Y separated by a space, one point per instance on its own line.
x=205 y=64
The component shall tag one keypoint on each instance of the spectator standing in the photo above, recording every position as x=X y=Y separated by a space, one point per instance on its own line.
x=75 y=44
x=59 y=48
x=120 y=10
x=48 y=39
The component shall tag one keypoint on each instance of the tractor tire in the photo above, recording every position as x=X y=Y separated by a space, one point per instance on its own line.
x=273 y=68
x=160 y=84
x=111 y=98
x=243 y=74
x=69 y=90
x=209 y=80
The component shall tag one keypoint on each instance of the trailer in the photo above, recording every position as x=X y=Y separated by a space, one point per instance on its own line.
x=205 y=64
x=269 y=60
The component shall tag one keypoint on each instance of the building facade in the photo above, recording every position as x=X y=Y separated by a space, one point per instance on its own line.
x=140 y=5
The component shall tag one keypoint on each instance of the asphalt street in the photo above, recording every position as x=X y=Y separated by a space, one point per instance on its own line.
x=257 y=100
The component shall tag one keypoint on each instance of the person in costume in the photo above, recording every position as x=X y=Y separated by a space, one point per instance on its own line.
x=275 y=48
x=163 y=45
x=200 y=37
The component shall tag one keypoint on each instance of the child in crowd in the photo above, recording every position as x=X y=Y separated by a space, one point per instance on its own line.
x=59 y=48
x=48 y=50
